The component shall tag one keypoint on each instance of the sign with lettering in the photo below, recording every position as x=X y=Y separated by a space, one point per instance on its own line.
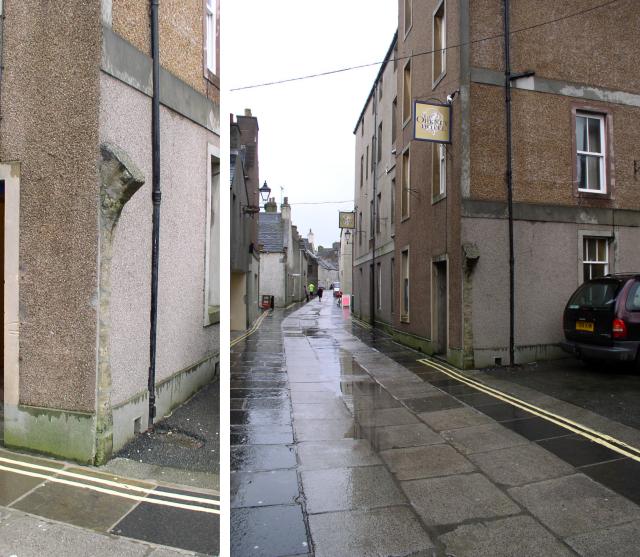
x=432 y=122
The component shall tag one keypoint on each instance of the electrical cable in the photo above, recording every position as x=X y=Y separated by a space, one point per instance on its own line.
x=360 y=66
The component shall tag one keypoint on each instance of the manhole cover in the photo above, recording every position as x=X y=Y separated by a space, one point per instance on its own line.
x=179 y=438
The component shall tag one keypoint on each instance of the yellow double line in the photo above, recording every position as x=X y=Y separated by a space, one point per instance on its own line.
x=253 y=329
x=612 y=443
x=111 y=487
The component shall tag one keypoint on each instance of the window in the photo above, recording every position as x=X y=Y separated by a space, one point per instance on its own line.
x=379 y=202
x=392 y=283
x=405 y=286
x=366 y=166
x=406 y=183
x=212 y=243
x=380 y=89
x=439 y=43
x=406 y=93
x=394 y=122
x=379 y=141
x=439 y=170
x=371 y=219
x=408 y=16
x=213 y=36
x=392 y=203
x=595 y=257
x=361 y=170
x=373 y=150
x=379 y=285
x=590 y=148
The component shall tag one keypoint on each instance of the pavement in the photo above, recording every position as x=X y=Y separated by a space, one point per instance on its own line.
x=346 y=443
x=159 y=497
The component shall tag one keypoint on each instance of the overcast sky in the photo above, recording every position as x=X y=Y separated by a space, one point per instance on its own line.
x=306 y=127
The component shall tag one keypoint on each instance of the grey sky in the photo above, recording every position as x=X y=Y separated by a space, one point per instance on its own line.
x=306 y=127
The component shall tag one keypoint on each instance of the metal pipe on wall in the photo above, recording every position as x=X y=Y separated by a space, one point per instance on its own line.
x=156 y=197
x=374 y=209
x=507 y=92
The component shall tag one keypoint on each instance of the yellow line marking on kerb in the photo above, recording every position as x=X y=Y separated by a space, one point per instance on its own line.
x=106 y=491
x=253 y=329
x=112 y=483
x=597 y=437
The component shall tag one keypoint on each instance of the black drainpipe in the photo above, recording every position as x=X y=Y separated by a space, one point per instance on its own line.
x=156 y=197
x=507 y=93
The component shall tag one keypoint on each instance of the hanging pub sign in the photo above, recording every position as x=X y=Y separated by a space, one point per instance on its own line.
x=432 y=122
x=347 y=219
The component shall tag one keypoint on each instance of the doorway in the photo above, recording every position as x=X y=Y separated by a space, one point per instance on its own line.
x=439 y=315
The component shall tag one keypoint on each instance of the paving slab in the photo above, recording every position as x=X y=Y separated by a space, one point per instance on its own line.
x=320 y=411
x=258 y=458
x=386 y=416
x=454 y=418
x=336 y=454
x=506 y=537
x=400 y=436
x=372 y=533
x=483 y=438
x=574 y=505
x=28 y=536
x=259 y=489
x=521 y=465
x=324 y=430
x=268 y=531
x=455 y=499
x=426 y=462
x=362 y=487
x=617 y=540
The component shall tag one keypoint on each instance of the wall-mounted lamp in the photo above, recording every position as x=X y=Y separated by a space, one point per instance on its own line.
x=265 y=191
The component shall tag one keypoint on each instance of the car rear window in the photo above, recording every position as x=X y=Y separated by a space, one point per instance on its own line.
x=597 y=294
x=633 y=299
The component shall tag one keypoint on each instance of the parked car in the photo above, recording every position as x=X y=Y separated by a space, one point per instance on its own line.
x=336 y=289
x=602 y=319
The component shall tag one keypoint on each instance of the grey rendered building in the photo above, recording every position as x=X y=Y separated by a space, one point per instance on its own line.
x=76 y=152
x=575 y=114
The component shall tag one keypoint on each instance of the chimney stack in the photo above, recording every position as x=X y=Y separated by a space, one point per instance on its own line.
x=271 y=206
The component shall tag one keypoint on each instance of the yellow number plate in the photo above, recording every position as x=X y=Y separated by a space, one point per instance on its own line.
x=584 y=326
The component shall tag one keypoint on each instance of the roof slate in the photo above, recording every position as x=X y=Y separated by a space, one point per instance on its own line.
x=270 y=233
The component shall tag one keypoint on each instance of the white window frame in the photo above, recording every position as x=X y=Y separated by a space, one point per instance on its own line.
x=596 y=261
x=211 y=35
x=435 y=79
x=407 y=28
x=407 y=117
x=404 y=315
x=442 y=159
x=212 y=208
x=406 y=178
x=602 y=155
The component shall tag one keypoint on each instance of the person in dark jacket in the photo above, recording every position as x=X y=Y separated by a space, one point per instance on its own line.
x=320 y=291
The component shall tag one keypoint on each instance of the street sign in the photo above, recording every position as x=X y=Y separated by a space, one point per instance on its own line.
x=432 y=122
x=347 y=219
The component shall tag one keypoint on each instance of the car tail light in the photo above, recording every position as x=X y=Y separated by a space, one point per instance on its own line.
x=619 y=328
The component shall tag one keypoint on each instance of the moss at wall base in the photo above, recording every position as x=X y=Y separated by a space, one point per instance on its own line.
x=58 y=433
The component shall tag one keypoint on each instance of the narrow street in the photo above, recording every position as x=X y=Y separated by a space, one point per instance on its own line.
x=346 y=443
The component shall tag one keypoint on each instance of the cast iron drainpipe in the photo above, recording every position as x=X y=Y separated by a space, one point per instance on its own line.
x=508 y=78
x=156 y=197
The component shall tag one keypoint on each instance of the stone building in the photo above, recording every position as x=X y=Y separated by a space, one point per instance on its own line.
x=283 y=256
x=76 y=170
x=372 y=243
x=574 y=137
x=245 y=199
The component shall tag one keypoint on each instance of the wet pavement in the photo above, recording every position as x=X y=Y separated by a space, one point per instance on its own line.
x=344 y=444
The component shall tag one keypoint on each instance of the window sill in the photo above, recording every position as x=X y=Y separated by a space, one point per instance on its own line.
x=403 y=219
x=438 y=198
x=404 y=319
x=407 y=31
x=214 y=315
x=211 y=77
x=437 y=81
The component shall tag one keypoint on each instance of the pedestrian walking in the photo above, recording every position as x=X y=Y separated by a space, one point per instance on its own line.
x=306 y=293
x=311 y=289
x=320 y=291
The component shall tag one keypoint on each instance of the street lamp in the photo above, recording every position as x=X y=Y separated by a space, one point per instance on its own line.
x=265 y=191
x=347 y=236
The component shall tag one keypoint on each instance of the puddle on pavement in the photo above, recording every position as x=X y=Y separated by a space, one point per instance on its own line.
x=178 y=438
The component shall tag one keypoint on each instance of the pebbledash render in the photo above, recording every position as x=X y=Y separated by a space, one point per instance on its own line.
x=76 y=152
x=575 y=119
